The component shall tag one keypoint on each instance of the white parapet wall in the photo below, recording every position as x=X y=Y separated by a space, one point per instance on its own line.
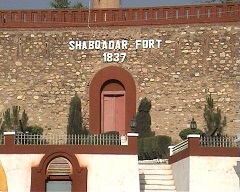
x=214 y=174
x=106 y=173
x=111 y=173
x=207 y=173
x=181 y=174
x=17 y=168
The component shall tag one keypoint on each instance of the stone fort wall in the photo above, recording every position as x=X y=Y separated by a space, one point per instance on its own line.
x=40 y=73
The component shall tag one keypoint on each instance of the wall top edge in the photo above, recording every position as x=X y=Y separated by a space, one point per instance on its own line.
x=125 y=8
x=9 y=133
x=193 y=136
x=132 y=134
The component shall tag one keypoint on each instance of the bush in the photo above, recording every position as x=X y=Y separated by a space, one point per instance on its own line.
x=25 y=137
x=184 y=133
x=153 y=147
x=35 y=130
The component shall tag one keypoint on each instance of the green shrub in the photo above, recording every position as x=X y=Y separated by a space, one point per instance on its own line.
x=35 y=130
x=185 y=132
x=153 y=147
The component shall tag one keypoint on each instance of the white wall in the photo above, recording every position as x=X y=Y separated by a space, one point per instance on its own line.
x=106 y=173
x=18 y=170
x=215 y=174
x=111 y=173
x=181 y=174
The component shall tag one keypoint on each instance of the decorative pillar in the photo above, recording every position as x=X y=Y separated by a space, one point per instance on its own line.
x=193 y=144
x=9 y=138
x=133 y=142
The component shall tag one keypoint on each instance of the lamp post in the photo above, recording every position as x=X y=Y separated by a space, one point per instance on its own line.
x=133 y=124
x=193 y=124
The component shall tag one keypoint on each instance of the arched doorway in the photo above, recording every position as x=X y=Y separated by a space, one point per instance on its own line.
x=58 y=175
x=48 y=175
x=112 y=100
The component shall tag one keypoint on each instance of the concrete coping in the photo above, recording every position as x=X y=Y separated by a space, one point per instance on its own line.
x=193 y=136
x=153 y=161
x=132 y=134
x=9 y=133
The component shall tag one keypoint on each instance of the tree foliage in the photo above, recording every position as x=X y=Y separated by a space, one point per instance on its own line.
x=10 y=119
x=60 y=4
x=65 y=4
x=221 y=1
x=143 y=119
x=1 y=127
x=75 y=117
x=77 y=5
x=213 y=118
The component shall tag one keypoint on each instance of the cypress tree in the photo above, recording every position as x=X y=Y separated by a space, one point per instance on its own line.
x=24 y=119
x=213 y=120
x=75 y=117
x=15 y=117
x=143 y=119
x=1 y=126
x=10 y=119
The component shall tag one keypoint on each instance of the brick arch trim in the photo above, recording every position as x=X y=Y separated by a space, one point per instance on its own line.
x=78 y=176
x=102 y=76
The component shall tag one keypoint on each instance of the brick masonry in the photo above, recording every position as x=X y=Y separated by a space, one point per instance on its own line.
x=40 y=73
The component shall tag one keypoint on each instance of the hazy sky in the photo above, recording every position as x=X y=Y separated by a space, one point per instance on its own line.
x=45 y=4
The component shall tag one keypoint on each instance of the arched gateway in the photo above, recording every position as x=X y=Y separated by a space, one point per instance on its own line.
x=59 y=168
x=112 y=100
